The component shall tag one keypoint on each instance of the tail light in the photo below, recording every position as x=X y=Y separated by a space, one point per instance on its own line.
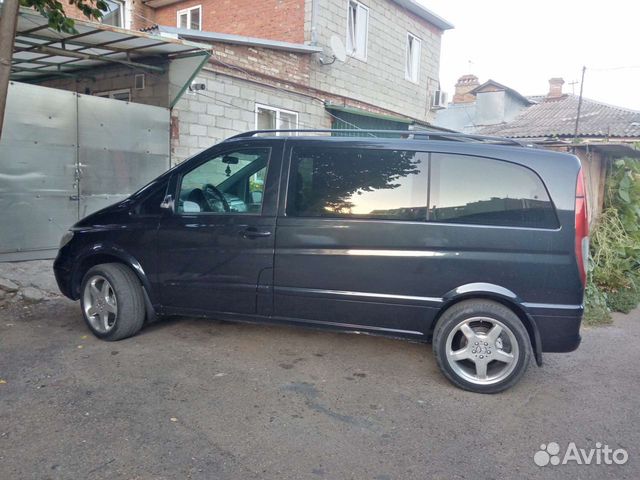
x=582 y=228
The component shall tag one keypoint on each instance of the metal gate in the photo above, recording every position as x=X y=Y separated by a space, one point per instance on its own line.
x=64 y=155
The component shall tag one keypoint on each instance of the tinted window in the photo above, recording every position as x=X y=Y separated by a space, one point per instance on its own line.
x=466 y=189
x=230 y=183
x=358 y=183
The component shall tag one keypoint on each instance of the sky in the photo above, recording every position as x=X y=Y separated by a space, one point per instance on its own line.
x=522 y=44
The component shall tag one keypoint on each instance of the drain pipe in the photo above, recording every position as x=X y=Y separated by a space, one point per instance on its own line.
x=314 y=22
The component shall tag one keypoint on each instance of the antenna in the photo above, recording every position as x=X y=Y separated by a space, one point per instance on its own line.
x=338 y=51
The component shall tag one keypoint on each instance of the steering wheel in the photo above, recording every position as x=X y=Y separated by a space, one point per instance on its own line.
x=214 y=197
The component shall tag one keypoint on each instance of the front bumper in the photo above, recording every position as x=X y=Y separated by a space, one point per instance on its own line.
x=64 y=275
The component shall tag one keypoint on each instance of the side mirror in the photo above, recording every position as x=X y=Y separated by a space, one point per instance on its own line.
x=168 y=204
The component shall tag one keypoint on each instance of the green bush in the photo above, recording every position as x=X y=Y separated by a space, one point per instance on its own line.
x=614 y=267
x=614 y=252
x=596 y=310
x=624 y=300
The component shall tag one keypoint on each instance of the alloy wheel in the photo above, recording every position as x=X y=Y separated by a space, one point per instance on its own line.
x=482 y=350
x=100 y=304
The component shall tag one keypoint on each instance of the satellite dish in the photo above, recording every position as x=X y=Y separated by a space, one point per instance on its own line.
x=337 y=48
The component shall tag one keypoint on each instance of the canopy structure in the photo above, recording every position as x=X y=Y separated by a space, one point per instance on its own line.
x=41 y=52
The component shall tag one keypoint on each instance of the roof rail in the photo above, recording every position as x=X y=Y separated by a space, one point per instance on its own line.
x=409 y=134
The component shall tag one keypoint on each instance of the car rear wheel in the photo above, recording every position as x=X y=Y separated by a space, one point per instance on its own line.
x=112 y=301
x=481 y=346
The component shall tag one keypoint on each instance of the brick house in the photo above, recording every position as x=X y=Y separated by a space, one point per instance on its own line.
x=604 y=132
x=273 y=64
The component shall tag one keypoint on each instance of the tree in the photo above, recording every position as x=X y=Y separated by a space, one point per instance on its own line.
x=52 y=10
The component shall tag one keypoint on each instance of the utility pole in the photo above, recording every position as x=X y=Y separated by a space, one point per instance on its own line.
x=575 y=133
x=573 y=86
x=8 y=24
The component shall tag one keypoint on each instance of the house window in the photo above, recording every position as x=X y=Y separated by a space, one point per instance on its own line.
x=123 y=94
x=357 y=28
x=190 y=18
x=412 y=63
x=139 y=81
x=271 y=118
x=115 y=13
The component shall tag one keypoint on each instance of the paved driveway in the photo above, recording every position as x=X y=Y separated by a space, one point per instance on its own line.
x=199 y=399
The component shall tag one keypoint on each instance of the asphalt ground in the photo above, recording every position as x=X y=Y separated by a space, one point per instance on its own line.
x=203 y=399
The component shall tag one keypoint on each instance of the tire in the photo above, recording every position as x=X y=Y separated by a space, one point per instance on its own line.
x=112 y=301
x=461 y=352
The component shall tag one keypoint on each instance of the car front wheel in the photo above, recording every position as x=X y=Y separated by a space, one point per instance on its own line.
x=481 y=346
x=112 y=301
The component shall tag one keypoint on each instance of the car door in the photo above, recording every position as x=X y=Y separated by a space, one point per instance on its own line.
x=216 y=246
x=352 y=240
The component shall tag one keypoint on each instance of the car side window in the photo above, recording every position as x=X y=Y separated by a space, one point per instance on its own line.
x=484 y=191
x=358 y=183
x=230 y=183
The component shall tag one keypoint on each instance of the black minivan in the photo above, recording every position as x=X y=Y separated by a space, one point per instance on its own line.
x=475 y=244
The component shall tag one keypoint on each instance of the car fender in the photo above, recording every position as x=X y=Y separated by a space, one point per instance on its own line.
x=502 y=295
x=111 y=250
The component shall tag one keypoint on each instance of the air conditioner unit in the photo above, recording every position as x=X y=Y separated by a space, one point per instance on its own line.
x=439 y=100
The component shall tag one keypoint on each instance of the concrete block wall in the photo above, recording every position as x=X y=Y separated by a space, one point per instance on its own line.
x=380 y=80
x=227 y=107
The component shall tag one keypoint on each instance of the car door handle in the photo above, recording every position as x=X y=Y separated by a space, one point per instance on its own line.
x=253 y=232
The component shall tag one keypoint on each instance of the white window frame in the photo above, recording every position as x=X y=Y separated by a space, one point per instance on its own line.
x=412 y=58
x=358 y=39
x=113 y=93
x=143 y=81
x=278 y=111
x=188 y=12
x=125 y=13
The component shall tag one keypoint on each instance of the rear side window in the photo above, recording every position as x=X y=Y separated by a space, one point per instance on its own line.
x=358 y=183
x=475 y=190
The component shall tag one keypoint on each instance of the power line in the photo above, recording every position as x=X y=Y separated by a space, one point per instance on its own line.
x=607 y=69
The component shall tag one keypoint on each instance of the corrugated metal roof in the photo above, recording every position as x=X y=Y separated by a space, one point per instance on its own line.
x=40 y=51
x=557 y=118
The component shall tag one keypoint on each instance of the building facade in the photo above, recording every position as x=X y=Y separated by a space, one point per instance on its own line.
x=296 y=64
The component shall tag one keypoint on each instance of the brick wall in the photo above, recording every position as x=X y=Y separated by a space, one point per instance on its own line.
x=271 y=19
x=380 y=80
x=137 y=14
x=285 y=66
